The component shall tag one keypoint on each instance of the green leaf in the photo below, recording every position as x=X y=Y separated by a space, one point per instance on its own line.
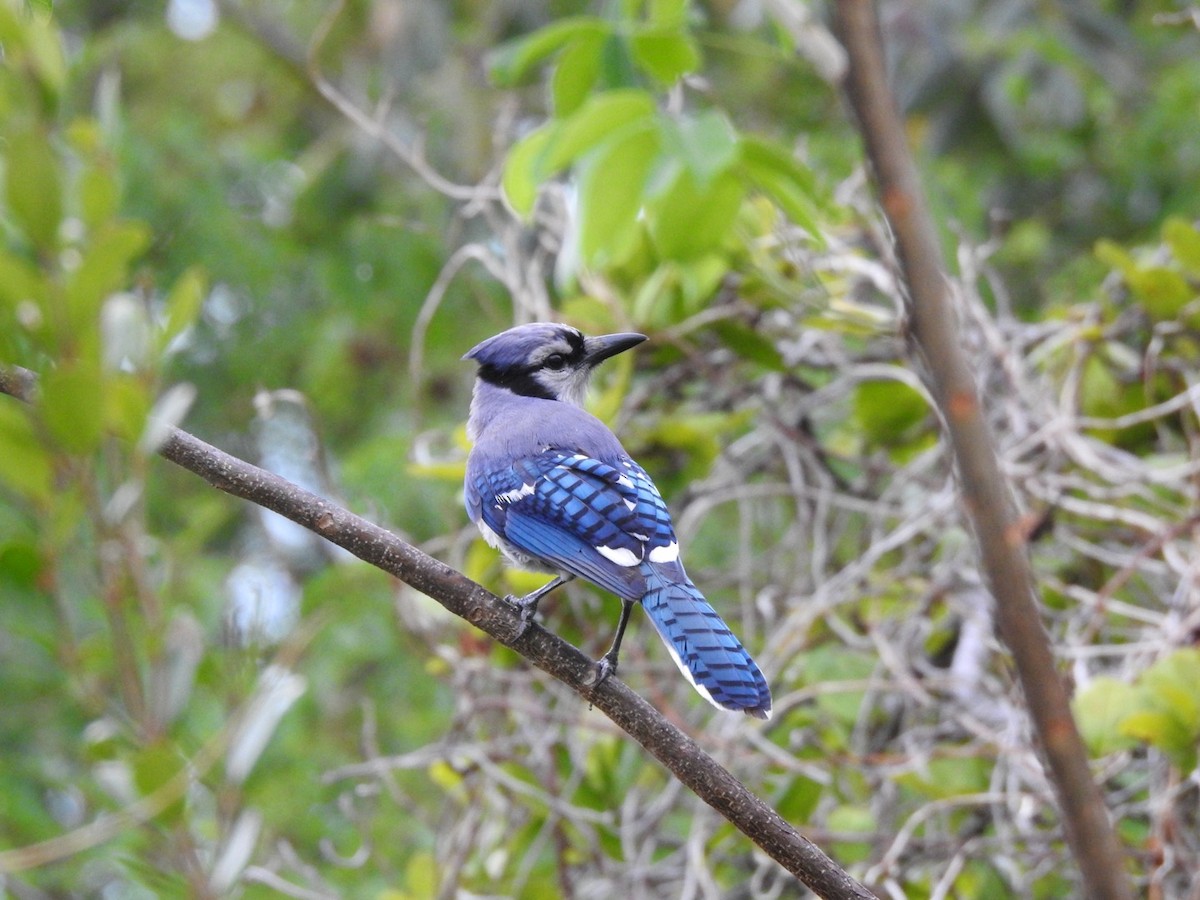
x=1162 y=292
x=779 y=176
x=699 y=434
x=126 y=405
x=24 y=463
x=709 y=145
x=828 y=663
x=591 y=314
x=154 y=768
x=421 y=875
x=611 y=183
x=948 y=777
x=86 y=137
x=1170 y=684
x=750 y=345
x=1184 y=240
x=522 y=175
x=1106 y=393
x=21 y=565
x=98 y=196
x=72 y=407
x=594 y=123
x=848 y=820
x=699 y=279
x=687 y=221
x=104 y=269
x=1164 y=731
x=800 y=800
x=183 y=304
x=33 y=44
x=19 y=281
x=651 y=302
x=446 y=777
x=509 y=63
x=888 y=411
x=32 y=186
x=576 y=74
x=664 y=53
x=22 y=305
x=1100 y=709
x=1168 y=716
x=667 y=12
x=1114 y=256
x=544 y=152
x=606 y=404
x=766 y=155
x=1101 y=393
x=451 y=472
x=617 y=68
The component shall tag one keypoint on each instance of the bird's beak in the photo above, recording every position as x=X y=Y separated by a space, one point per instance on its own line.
x=598 y=349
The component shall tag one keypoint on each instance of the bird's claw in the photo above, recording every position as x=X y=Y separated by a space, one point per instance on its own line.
x=525 y=610
x=605 y=669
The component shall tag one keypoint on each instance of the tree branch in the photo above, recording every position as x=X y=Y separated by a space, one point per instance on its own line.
x=985 y=491
x=715 y=785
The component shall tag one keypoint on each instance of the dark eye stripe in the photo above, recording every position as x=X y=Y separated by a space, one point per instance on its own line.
x=519 y=381
x=523 y=379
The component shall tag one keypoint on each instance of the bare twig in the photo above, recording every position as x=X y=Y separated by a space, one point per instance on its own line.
x=376 y=127
x=679 y=753
x=985 y=493
x=304 y=63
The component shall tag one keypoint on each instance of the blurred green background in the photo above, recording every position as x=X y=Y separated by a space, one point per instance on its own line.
x=281 y=225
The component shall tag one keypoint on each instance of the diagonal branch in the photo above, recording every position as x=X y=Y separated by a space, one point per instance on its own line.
x=714 y=784
x=985 y=491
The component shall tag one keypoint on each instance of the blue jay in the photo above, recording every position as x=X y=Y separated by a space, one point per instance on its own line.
x=551 y=487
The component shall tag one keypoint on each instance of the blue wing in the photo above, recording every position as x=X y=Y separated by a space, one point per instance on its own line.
x=608 y=523
x=578 y=515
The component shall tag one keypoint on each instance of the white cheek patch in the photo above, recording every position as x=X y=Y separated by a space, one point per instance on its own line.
x=567 y=385
x=665 y=554
x=622 y=556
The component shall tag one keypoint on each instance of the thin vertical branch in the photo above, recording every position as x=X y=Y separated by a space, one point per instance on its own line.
x=985 y=492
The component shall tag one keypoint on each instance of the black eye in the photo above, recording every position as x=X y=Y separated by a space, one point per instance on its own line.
x=554 y=361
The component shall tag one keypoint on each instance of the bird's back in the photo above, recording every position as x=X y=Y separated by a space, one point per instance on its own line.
x=505 y=426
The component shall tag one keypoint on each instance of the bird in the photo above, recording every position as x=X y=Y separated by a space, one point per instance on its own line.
x=551 y=487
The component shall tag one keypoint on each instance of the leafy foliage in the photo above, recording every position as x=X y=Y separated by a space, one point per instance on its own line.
x=192 y=228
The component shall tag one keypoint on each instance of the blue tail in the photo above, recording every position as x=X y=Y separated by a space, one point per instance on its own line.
x=704 y=648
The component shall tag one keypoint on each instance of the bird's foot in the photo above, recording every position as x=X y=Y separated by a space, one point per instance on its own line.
x=526 y=608
x=606 y=667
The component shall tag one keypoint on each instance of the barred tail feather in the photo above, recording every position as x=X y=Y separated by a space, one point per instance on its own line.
x=706 y=651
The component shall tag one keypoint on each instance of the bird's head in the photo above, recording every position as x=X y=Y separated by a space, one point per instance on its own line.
x=546 y=360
